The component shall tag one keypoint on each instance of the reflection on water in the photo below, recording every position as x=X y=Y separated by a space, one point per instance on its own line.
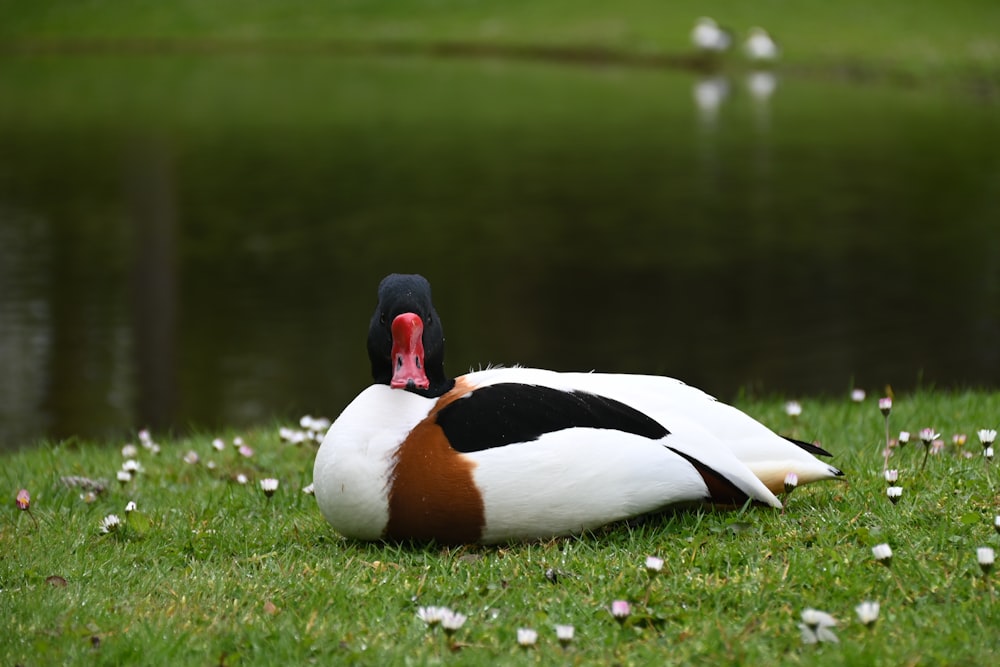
x=199 y=246
x=709 y=95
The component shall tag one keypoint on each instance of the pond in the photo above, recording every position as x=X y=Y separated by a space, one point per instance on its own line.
x=194 y=241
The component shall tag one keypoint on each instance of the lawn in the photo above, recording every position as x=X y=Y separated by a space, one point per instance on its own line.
x=911 y=38
x=209 y=570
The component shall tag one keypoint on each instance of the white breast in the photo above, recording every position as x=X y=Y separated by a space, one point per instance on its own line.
x=352 y=465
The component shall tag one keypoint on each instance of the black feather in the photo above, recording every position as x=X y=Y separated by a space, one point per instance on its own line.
x=510 y=412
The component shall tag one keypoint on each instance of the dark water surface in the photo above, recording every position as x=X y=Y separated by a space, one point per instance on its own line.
x=195 y=242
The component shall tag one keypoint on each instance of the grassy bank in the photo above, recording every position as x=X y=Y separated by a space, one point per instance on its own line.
x=209 y=570
x=916 y=38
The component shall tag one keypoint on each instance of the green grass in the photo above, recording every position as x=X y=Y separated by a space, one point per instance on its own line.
x=214 y=572
x=916 y=37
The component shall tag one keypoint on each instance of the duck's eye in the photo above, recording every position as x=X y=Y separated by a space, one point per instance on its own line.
x=381 y=318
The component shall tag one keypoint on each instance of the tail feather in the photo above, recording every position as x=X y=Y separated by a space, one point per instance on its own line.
x=721 y=489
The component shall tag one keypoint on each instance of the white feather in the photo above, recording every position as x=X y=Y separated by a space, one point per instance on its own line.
x=694 y=417
x=352 y=465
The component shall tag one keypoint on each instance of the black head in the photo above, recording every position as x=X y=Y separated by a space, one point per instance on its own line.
x=407 y=352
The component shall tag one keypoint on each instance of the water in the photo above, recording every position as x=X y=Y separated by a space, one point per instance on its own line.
x=195 y=242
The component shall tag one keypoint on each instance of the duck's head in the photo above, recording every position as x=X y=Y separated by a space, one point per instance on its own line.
x=405 y=337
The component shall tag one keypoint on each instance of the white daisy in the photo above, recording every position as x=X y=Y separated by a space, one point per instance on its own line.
x=985 y=556
x=564 y=633
x=269 y=485
x=110 y=523
x=894 y=493
x=816 y=626
x=882 y=553
x=452 y=621
x=867 y=612
x=791 y=481
x=620 y=609
x=432 y=615
x=526 y=637
x=885 y=405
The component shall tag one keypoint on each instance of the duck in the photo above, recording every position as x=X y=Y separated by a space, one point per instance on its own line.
x=759 y=46
x=505 y=454
x=708 y=37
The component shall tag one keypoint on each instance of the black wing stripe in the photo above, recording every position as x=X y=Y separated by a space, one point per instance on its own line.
x=508 y=413
x=720 y=489
x=815 y=450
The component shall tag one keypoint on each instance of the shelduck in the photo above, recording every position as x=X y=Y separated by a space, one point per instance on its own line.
x=760 y=46
x=708 y=37
x=519 y=453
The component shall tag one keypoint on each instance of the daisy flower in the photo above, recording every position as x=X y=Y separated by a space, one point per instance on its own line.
x=620 y=609
x=816 y=627
x=985 y=556
x=653 y=565
x=110 y=523
x=894 y=493
x=451 y=621
x=432 y=615
x=882 y=553
x=791 y=481
x=793 y=408
x=526 y=637
x=885 y=405
x=867 y=612
x=564 y=633
x=268 y=485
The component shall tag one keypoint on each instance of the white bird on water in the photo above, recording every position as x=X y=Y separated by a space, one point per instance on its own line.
x=759 y=46
x=709 y=37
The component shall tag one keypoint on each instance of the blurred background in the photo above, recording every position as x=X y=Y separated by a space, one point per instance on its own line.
x=197 y=200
